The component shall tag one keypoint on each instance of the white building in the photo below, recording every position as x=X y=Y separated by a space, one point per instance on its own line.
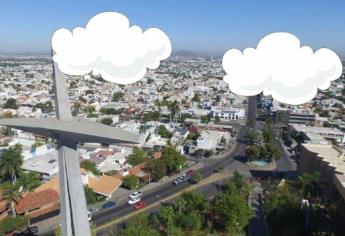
x=46 y=165
x=326 y=132
x=210 y=140
x=228 y=113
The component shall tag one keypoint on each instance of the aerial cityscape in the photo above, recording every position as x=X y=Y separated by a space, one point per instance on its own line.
x=179 y=145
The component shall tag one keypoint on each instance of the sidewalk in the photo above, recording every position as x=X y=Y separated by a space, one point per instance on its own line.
x=47 y=226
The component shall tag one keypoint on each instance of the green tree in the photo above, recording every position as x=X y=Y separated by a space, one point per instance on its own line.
x=11 y=195
x=130 y=182
x=45 y=107
x=117 y=96
x=10 y=224
x=267 y=132
x=194 y=201
x=29 y=181
x=89 y=109
x=166 y=215
x=107 y=121
x=164 y=132
x=270 y=151
x=282 y=209
x=139 y=226
x=91 y=196
x=173 y=159
x=174 y=109
x=90 y=166
x=309 y=184
x=11 y=103
x=254 y=136
x=137 y=157
x=157 y=169
x=252 y=152
x=142 y=129
x=11 y=162
x=192 y=221
x=216 y=119
x=196 y=98
x=231 y=211
x=151 y=116
x=205 y=119
x=208 y=153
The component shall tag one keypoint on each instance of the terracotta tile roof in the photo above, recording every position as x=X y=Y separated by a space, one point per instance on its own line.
x=138 y=169
x=53 y=184
x=55 y=206
x=104 y=184
x=33 y=200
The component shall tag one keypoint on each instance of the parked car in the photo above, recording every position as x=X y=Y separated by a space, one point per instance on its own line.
x=139 y=205
x=132 y=201
x=109 y=205
x=135 y=194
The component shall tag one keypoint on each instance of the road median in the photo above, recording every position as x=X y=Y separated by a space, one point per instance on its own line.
x=211 y=179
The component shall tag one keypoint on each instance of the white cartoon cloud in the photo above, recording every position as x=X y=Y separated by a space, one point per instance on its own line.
x=280 y=67
x=110 y=47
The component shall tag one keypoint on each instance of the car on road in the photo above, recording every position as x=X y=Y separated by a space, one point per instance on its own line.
x=89 y=215
x=190 y=172
x=133 y=201
x=139 y=205
x=93 y=209
x=135 y=194
x=109 y=205
x=182 y=179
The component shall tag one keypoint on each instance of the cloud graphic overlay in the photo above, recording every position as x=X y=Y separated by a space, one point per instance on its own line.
x=280 y=67
x=110 y=47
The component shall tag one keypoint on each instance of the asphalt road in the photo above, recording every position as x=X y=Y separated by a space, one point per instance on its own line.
x=209 y=166
x=231 y=161
x=168 y=189
x=165 y=190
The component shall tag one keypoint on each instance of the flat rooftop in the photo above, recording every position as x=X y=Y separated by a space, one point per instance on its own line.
x=44 y=164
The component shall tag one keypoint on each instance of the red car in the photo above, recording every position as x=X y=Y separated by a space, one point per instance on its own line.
x=139 y=205
x=190 y=172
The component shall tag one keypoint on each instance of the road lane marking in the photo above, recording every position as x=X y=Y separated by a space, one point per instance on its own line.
x=206 y=181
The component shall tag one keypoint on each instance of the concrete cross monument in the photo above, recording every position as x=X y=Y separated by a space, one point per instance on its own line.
x=120 y=53
x=68 y=131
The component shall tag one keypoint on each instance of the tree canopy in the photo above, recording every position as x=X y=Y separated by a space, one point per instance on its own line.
x=173 y=159
x=11 y=103
x=137 y=157
x=130 y=182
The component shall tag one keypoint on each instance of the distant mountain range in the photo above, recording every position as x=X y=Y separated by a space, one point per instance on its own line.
x=191 y=54
x=185 y=53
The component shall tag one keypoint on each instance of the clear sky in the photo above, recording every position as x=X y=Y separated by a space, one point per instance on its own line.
x=199 y=25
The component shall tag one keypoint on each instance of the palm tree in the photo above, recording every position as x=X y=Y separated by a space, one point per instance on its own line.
x=174 y=109
x=142 y=129
x=11 y=194
x=11 y=162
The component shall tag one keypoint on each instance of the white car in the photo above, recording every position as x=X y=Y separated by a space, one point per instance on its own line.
x=136 y=194
x=132 y=201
